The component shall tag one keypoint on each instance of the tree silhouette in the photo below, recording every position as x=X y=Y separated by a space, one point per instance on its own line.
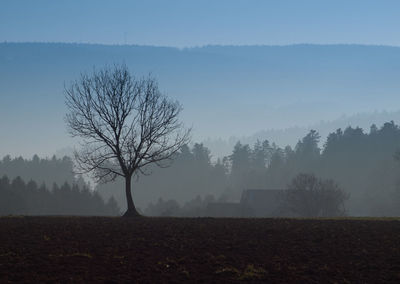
x=309 y=196
x=126 y=124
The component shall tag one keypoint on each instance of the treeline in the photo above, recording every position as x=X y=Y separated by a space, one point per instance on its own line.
x=47 y=171
x=362 y=163
x=20 y=198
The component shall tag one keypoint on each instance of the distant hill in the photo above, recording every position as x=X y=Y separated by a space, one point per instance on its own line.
x=291 y=135
x=225 y=90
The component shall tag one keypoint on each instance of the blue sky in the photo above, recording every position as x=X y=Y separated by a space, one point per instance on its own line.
x=185 y=23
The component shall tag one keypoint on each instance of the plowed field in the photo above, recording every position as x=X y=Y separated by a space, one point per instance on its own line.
x=153 y=250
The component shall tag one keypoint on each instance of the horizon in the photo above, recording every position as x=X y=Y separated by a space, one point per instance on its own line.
x=201 y=46
x=198 y=23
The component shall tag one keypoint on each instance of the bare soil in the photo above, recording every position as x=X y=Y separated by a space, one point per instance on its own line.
x=176 y=250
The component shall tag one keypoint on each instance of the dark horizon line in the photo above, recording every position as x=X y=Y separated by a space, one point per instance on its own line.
x=200 y=46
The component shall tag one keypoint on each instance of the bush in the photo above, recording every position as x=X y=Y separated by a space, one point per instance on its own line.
x=308 y=196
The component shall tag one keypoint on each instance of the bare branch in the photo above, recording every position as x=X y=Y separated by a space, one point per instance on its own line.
x=126 y=123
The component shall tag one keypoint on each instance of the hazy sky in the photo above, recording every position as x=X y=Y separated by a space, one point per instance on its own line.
x=179 y=23
x=184 y=23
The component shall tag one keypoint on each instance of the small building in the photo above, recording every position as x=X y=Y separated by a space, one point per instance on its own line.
x=253 y=203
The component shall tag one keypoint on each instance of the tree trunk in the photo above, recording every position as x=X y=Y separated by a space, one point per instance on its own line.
x=131 y=211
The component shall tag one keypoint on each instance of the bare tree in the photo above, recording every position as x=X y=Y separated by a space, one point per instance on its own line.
x=126 y=124
x=309 y=196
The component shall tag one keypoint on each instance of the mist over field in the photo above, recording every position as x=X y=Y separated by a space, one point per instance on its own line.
x=236 y=99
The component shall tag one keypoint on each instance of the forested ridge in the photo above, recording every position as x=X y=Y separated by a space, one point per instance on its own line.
x=272 y=78
x=363 y=163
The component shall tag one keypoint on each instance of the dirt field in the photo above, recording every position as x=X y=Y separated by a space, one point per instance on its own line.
x=78 y=249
